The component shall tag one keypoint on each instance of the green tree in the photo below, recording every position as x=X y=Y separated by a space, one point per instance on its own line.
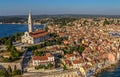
x=39 y=46
x=64 y=66
x=106 y=22
x=17 y=36
x=38 y=53
x=39 y=67
x=6 y=59
x=47 y=43
x=46 y=28
x=81 y=49
x=15 y=67
x=50 y=65
x=4 y=73
x=13 y=48
x=45 y=67
x=9 y=42
x=17 y=72
x=9 y=69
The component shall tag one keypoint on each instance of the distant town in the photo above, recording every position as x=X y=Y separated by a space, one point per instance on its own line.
x=67 y=46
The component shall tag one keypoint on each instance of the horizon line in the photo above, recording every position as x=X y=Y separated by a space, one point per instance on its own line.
x=65 y=14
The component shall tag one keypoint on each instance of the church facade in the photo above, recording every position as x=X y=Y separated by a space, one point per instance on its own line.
x=34 y=37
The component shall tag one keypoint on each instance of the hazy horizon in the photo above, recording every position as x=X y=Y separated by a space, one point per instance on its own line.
x=54 y=7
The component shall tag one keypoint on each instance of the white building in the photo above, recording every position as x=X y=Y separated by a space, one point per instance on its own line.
x=43 y=60
x=76 y=64
x=34 y=37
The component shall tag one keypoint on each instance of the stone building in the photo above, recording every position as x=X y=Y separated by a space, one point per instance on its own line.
x=34 y=37
x=43 y=60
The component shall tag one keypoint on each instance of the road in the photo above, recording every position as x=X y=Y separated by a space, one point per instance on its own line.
x=42 y=74
x=26 y=58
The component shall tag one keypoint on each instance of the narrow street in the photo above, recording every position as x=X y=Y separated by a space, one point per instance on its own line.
x=26 y=58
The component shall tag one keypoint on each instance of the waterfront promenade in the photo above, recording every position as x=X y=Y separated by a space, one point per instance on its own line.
x=67 y=73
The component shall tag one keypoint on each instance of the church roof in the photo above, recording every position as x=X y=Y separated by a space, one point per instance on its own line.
x=38 y=33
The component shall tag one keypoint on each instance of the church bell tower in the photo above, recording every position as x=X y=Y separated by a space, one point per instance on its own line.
x=30 y=24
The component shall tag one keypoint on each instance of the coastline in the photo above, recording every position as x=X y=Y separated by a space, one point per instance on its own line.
x=21 y=23
x=9 y=29
x=14 y=23
x=104 y=67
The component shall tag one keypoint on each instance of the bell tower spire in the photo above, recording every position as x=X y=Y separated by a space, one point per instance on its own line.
x=30 y=24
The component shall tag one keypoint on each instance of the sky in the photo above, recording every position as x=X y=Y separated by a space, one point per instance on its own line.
x=40 y=7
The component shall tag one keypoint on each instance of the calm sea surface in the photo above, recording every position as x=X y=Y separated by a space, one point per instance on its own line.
x=10 y=29
x=114 y=71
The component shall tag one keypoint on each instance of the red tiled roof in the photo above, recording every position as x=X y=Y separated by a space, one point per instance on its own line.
x=67 y=61
x=38 y=33
x=69 y=55
x=48 y=54
x=53 y=48
x=70 y=65
x=40 y=58
x=76 y=61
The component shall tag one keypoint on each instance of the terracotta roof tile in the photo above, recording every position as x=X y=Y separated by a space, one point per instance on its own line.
x=40 y=58
x=76 y=61
x=67 y=61
x=69 y=55
x=38 y=33
x=48 y=54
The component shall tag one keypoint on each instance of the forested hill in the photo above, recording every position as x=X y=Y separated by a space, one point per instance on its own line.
x=23 y=18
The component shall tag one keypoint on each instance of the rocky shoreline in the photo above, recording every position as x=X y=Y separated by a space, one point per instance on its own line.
x=104 y=67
